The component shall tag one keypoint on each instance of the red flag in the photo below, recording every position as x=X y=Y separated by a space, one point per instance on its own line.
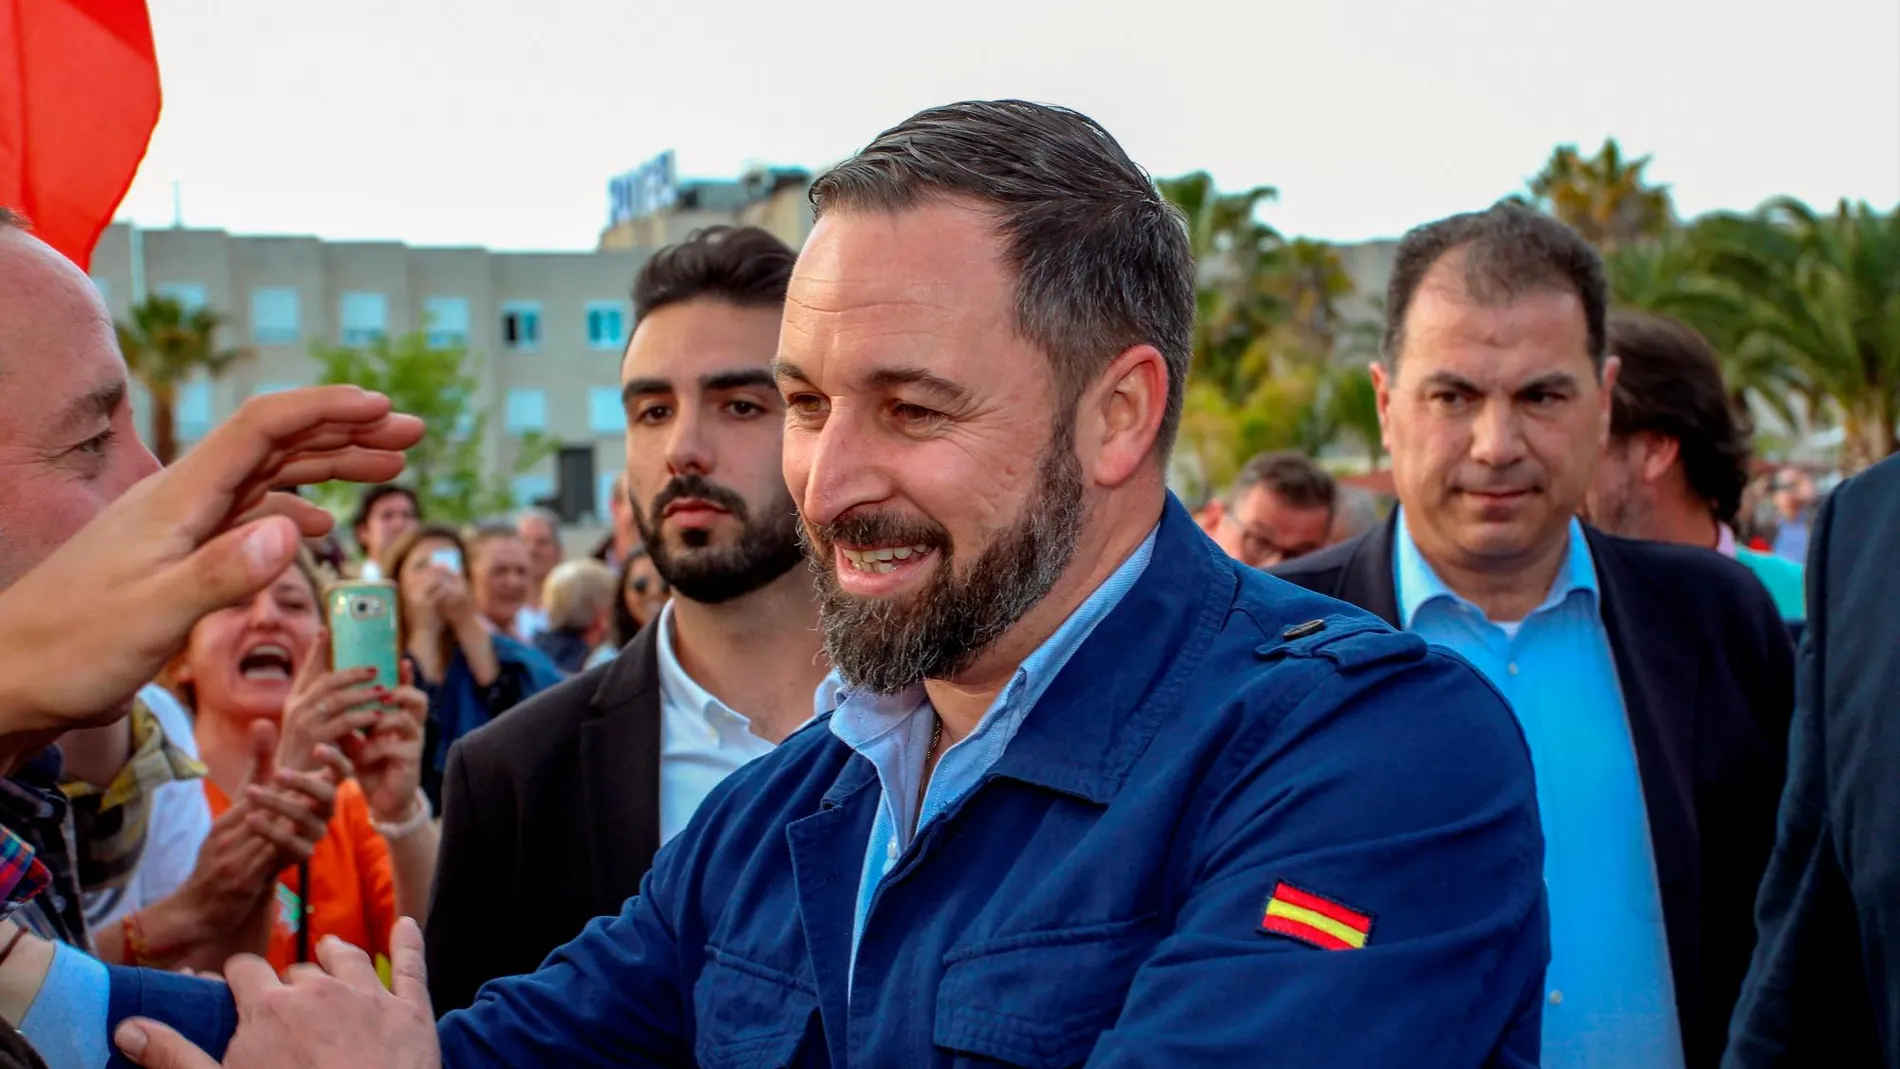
x=78 y=100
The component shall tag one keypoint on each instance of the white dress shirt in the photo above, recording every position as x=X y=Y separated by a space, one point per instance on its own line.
x=702 y=740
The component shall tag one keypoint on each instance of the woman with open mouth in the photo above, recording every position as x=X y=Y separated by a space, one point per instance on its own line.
x=259 y=671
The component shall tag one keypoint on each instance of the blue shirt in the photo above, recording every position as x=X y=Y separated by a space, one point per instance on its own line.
x=1609 y=995
x=893 y=731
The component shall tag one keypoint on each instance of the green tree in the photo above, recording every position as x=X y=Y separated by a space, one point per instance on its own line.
x=1671 y=275
x=165 y=346
x=1234 y=253
x=1820 y=295
x=435 y=384
x=1603 y=197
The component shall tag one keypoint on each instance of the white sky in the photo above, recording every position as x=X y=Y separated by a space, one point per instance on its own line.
x=499 y=122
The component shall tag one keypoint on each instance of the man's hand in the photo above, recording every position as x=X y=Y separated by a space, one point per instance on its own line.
x=335 y=1017
x=97 y=619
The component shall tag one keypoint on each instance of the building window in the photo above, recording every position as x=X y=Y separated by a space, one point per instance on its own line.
x=606 y=325
x=189 y=295
x=273 y=316
x=365 y=318
x=191 y=410
x=531 y=490
x=263 y=388
x=521 y=326
x=527 y=410
x=606 y=413
x=447 y=320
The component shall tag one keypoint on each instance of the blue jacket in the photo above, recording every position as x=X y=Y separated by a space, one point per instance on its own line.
x=1222 y=741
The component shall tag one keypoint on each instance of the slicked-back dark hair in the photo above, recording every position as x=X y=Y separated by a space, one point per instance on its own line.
x=1101 y=259
x=1669 y=382
x=744 y=265
x=11 y=218
x=1509 y=252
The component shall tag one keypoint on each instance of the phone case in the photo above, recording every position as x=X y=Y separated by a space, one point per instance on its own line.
x=363 y=631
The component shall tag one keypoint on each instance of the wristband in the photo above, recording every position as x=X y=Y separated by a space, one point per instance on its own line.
x=138 y=950
x=409 y=825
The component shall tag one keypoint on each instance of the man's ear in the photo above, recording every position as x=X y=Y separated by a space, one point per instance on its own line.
x=1127 y=408
x=1211 y=514
x=1660 y=453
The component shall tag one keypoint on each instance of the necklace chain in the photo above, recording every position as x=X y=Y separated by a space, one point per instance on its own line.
x=923 y=778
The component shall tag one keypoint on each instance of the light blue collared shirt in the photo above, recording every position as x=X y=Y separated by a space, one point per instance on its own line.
x=892 y=731
x=1609 y=999
x=67 y=1021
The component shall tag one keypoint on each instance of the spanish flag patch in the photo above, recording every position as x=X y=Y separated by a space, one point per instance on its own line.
x=1314 y=920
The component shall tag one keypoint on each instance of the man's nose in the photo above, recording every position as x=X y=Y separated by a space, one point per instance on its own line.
x=1497 y=436
x=687 y=448
x=843 y=467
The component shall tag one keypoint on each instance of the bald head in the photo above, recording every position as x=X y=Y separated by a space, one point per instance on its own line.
x=67 y=443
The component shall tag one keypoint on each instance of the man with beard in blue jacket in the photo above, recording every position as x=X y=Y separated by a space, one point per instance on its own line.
x=1088 y=792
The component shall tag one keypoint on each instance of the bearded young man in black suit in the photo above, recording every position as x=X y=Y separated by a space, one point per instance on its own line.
x=552 y=813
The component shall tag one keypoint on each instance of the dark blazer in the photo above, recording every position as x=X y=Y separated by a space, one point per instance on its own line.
x=550 y=817
x=1707 y=672
x=1824 y=989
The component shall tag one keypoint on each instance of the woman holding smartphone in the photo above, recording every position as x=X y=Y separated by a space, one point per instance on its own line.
x=470 y=675
x=268 y=660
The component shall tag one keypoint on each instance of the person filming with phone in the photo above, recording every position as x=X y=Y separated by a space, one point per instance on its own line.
x=470 y=674
x=268 y=660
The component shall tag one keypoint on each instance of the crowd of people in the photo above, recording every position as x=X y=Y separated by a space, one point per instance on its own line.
x=904 y=716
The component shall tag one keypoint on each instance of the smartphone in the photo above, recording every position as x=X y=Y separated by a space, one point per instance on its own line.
x=363 y=631
x=449 y=558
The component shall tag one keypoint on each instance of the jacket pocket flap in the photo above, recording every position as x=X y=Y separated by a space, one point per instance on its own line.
x=749 y=1015
x=1040 y=1000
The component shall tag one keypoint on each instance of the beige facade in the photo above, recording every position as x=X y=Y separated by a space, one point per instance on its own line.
x=544 y=330
x=558 y=377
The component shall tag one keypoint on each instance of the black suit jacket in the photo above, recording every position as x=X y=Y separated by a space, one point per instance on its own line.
x=1707 y=673
x=1824 y=989
x=550 y=817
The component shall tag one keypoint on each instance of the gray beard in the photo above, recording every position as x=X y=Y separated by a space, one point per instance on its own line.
x=886 y=646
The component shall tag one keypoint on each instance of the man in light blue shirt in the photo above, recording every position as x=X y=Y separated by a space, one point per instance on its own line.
x=1611 y=1001
x=1653 y=681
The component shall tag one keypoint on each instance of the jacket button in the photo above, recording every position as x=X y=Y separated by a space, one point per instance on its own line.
x=1310 y=627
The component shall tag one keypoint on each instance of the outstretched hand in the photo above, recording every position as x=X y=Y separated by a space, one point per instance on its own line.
x=294 y=1024
x=207 y=532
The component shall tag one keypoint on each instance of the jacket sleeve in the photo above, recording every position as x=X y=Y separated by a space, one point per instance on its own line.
x=200 y=1010
x=1393 y=802
x=611 y=997
x=469 y=906
x=1806 y=992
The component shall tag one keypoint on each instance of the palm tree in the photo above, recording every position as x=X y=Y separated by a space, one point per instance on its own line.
x=1234 y=302
x=164 y=346
x=1310 y=280
x=1670 y=275
x=1603 y=197
x=1822 y=296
